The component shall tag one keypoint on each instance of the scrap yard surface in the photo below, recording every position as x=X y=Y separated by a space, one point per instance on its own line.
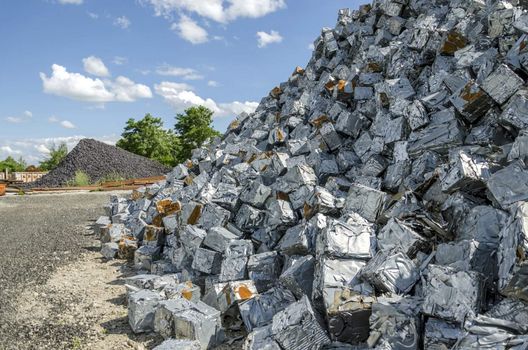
x=55 y=291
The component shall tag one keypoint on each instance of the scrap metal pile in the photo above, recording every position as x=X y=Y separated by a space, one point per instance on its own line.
x=378 y=198
x=98 y=161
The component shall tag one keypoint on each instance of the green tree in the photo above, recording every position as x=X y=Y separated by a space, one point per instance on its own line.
x=193 y=128
x=57 y=154
x=13 y=165
x=147 y=137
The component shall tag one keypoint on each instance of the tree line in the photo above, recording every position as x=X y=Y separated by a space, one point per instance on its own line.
x=146 y=137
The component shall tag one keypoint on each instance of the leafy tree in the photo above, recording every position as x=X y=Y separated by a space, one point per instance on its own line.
x=193 y=128
x=148 y=138
x=57 y=154
x=13 y=165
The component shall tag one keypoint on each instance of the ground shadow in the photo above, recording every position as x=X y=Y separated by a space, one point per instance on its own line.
x=121 y=326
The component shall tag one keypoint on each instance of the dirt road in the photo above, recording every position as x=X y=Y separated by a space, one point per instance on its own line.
x=55 y=290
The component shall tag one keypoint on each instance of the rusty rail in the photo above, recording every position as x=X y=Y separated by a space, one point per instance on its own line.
x=127 y=185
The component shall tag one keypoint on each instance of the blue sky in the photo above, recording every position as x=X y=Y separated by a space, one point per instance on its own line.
x=80 y=68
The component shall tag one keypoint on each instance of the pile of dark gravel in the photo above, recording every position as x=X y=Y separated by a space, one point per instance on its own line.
x=99 y=161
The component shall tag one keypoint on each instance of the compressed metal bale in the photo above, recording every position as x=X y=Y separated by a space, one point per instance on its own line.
x=391 y=272
x=196 y=325
x=515 y=112
x=218 y=238
x=440 y=335
x=517 y=285
x=512 y=243
x=333 y=276
x=264 y=269
x=191 y=237
x=365 y=201
x=164 y=315
x=280 y=214
x=100 y=223
x=233 y=268
x=249 y=218
x=354 y=238
x=452 y=295
x=255 y=194
x=348 y=317
x=509 y=185
x=502 y=84
x=469 y=173
x=234 y=292
x=113 y=233
x=298 y=240
x=144 y=256
x=299 y=276
x=258 y=311
x=440 y=135
x=207 y=261
x=490 y=333
x=141 y=308
x=296 y=327
x=468 y=255
x=512 y=310
x=396 y=235
x=261 y=339
x=213 y=215
x=109 y=250
x=153 y=236
x=395 y=323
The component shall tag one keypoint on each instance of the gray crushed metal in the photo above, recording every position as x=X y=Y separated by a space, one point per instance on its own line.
x=377 y=199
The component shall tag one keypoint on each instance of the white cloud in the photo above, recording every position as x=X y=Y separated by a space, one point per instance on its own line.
x=75 y=86
x=93 y=15
x=42 y=149
x=64 y=123
x=35 y=150
x=189 y=30
x=26 y=116
x=70 y=2
x=118 y=60
x=222 y=11
x=213 y=83
x=123 y=22
x=181 y=97
x=67 y=124
x=264 y=39
x=79 y=87
x=184 y=73
x=311 y=47
x=9 y=151
x=95 y=66
x=125 y=90
x=236 y=108
x=14 y=120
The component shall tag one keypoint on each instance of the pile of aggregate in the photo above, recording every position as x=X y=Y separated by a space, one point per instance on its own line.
x=99 y=160
x=376 y=199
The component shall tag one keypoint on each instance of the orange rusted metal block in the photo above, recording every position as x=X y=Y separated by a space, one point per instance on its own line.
x=195 y=215
x=454 y=41
x=276 y=92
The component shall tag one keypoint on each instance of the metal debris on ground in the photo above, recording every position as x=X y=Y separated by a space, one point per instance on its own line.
x=377 y=198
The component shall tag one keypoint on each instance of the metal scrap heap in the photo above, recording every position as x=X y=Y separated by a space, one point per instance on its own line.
x=377 y=199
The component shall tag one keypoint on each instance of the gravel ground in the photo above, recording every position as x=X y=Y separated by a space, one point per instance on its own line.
x=55 y=290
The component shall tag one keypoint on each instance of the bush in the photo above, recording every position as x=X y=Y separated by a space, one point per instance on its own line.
x=80 y=179
x=57 y=154
x=114 y=176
